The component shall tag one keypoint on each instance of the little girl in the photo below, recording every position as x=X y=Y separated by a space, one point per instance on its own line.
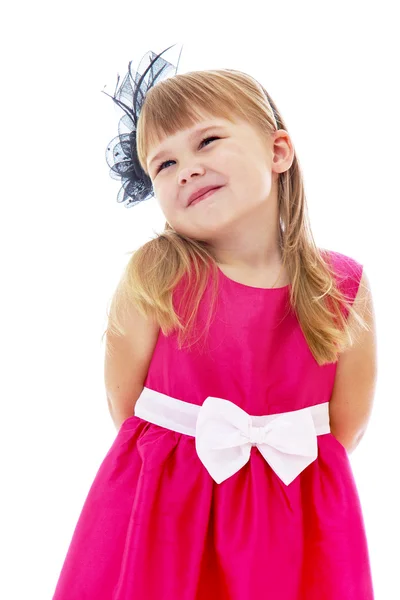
x=232 y=368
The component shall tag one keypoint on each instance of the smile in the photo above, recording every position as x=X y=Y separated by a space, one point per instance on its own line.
x=204 y=196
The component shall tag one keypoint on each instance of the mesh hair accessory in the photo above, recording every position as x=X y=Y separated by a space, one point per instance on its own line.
x=121 y=153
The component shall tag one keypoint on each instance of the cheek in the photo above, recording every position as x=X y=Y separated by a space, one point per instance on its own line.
x=164 y=197
x=265 y=182
x=171 y=209
x=168 y=210
x=242 y=175
x=251 y=182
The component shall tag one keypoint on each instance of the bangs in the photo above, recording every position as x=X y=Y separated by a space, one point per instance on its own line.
x=179 y=103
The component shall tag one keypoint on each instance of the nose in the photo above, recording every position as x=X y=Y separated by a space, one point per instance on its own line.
x=188 y=173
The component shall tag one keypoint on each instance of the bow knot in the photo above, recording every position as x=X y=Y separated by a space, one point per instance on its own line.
x=258 y=434
x=225 y=434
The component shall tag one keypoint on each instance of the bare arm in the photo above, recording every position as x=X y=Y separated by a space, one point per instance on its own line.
x=352 y=398
x=126 y=363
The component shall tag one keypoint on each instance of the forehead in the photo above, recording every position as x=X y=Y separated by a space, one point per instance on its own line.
x=190 y=133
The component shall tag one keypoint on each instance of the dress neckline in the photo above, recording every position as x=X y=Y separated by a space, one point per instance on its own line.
x=251 y=287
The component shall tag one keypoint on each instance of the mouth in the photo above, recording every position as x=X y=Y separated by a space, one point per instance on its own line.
x=206 y=195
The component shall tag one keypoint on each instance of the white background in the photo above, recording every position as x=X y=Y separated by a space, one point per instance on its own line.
x=331 y=68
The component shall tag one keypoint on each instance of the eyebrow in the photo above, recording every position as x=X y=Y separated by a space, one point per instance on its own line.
x=191 y=136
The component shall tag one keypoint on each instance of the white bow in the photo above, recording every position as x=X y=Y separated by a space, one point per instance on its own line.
x=225 y=435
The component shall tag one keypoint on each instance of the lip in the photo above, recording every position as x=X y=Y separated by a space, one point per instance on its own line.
x=201 y=192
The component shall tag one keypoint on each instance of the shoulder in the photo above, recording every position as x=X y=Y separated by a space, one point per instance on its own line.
x=350 y=275
x=346 y=267
x=356 y=285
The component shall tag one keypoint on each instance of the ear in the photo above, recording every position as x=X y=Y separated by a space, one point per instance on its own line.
x=283 y=151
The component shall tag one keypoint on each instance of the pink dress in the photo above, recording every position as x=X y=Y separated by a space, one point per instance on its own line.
x=156 y=524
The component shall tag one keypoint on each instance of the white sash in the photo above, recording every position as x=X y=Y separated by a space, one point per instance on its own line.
x=225 y=433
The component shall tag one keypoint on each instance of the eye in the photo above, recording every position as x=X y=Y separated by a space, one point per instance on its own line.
x=160 y=167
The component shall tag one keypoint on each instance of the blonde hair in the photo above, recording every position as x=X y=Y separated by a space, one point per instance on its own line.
x=156 y=268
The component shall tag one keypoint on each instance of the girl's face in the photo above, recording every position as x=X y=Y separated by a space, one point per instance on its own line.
x=231 y=155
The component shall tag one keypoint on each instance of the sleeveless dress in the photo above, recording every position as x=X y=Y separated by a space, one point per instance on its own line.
x=157 y=525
